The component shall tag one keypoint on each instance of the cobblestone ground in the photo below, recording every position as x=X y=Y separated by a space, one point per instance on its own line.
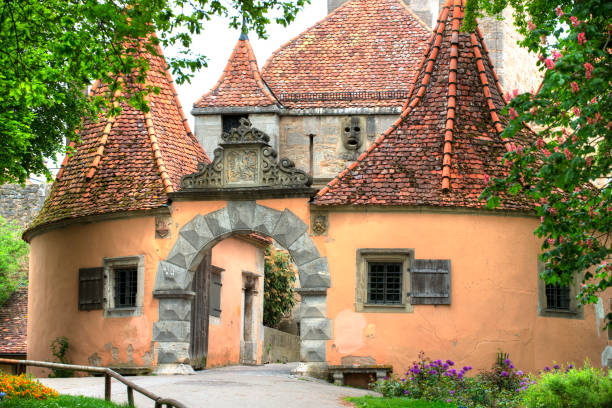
x=269 y=386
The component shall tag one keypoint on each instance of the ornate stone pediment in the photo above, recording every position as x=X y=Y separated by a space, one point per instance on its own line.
x=245 y=159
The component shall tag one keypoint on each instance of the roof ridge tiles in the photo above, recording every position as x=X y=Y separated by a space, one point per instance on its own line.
x=110 y=121
x=159 y=161
x=241 y=83
x=446 y=140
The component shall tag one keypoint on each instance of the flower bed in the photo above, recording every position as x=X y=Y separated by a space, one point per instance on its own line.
x=25 y=387
x=503 y=386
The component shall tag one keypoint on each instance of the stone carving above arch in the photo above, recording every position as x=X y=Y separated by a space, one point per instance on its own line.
x=245 y=159
x=174 y=275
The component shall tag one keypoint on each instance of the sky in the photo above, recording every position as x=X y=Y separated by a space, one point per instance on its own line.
x=217 y=43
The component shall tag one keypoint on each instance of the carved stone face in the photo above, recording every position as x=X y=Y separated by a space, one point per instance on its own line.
x=351 y=133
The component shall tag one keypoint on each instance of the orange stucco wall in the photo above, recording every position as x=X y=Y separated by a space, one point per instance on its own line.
x=494 y=290
x=225 y=332
x=494 y=294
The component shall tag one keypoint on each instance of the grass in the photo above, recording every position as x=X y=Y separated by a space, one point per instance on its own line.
x=63 y=401
x=381 y=402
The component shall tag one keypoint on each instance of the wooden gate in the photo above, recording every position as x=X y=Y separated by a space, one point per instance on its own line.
x=198 y=349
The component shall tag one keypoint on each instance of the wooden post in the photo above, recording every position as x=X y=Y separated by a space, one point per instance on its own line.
x=130 y=395
x=107 y=387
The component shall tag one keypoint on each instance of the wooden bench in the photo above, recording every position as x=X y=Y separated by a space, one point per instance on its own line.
x=375 y=370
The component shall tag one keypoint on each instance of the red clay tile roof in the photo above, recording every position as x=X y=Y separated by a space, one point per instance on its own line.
x=13 y=322
x=446 y=141
x=363 y=47
x=128 y=162
x=240 y=84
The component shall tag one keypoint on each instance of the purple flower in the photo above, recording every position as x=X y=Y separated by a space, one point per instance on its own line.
x=570 y=366
x=438 y=362
x=403 y=379
x=450 y=362
x=452 y=392
x=507 y=361
x=556 y=366
x=504 y=373
x=416 y=370
x=449 y=400
x=519 y=372
x=460 y=375
x=547 y=369
x=511 y=366
x=433 y=372
x=445 y=366
x=406 y=392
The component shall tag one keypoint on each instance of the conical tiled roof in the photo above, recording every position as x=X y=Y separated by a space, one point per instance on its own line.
x=128 y=162
x=447 y=140
x=240 y=84
x=363 y=54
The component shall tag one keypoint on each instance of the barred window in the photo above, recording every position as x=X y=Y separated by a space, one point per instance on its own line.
x=384 y=283
x=557 y=297
x=126 y=286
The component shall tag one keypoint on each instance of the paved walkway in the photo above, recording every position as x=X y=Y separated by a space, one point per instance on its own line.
x=269 y=386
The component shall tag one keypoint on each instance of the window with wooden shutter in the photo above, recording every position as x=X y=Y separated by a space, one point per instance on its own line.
x=91 y=288
x=430 y=282
x=215 y=291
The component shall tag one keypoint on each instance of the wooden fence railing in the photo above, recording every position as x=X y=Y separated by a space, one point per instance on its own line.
x=108 y=374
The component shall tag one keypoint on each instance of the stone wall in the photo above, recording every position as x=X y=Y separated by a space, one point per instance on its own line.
x=280 y=347
x=328 y=151
x=21 y=203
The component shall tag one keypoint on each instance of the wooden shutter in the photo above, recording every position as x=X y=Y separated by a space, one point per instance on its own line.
x=430 y=282
x=215 y=291
x=91 y=288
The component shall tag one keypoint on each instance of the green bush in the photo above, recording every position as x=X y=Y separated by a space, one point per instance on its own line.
x=59 y=349
x=377 y=402
x=63 y=401
x=279 y=277
x=570 y=388
x=13 y=259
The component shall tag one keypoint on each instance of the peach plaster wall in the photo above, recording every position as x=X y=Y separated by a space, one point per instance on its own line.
x=494 y=282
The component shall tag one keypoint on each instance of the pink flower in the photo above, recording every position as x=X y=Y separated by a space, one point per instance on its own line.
x=567 y=153
x=530 y=25
x=575 y=21
x=589 y=69
x=576 y=111
x=487 y=178
x=581 y=38
x=550 y=64
x=546 y=153
x=556 y=55
x=559 y=12
x=552 y=210
x=540 y=143
x=551 y=241
x=513 y=114
x=597 y=116
x=589 y=161
x=542 y=219
x=515 y=93
x=575 y=87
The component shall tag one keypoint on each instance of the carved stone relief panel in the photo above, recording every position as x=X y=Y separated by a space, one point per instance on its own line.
x=162 y=226
x=242 y=167
x=319 y=223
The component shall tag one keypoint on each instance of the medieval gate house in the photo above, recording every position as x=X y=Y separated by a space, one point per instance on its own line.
x=149 y=249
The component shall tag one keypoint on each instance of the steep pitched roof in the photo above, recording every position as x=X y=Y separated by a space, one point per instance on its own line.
x=240 y=84
x=446 y=141
x=13 y=322
x=364 y=47
x=128 y=162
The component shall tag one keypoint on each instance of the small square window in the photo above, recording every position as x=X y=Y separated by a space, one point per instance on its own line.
x=557 y=297
x=385 y=283
x=126 y=286
x=383 y=280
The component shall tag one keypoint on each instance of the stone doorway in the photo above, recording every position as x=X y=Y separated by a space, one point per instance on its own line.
x=173 y=285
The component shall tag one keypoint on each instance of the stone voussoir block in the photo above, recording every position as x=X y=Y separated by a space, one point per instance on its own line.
x=172 y=277
x=316 y=329
x=288 y=229
x=312 y=350
x=171 y=331
x=313 y=307
x=303 y=250
x=241 y=215
x=173 y=353
x=218 y=222
x=182 y=253
x=265 y=219
x=315 y=274
x=175 y=309
x=197 y=232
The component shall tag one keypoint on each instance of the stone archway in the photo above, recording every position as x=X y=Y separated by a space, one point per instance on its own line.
x=174 y=275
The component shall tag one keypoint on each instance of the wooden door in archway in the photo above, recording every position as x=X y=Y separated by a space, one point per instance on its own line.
x=198 y=349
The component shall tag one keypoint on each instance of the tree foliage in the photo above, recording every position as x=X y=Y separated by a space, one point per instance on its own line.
x=13 y=259
x=278 y=286
x=567 y=171
x=52 y=50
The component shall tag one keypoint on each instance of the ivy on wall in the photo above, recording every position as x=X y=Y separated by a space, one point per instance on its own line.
x=279 y=278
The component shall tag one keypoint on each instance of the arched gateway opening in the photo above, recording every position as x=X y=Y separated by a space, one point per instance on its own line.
x=244 y=166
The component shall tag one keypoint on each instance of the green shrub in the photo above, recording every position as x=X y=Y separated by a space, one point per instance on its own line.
x=570 y=388
x=59 y=348
x=377 y=402
x=279 y=277
x=13 y=259
x=63 y=401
